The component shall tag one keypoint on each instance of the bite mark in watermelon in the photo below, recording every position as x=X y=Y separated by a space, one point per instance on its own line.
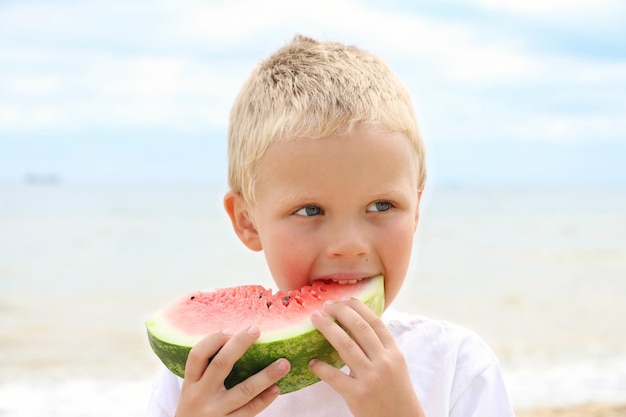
x=284 y=319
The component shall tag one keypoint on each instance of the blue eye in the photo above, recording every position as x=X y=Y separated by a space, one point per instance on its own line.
x=379 y=206
x=309 y=211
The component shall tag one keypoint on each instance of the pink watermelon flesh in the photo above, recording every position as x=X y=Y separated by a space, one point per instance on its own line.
x=234 y=308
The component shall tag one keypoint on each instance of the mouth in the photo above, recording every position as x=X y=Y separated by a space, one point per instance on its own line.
x=345 y=279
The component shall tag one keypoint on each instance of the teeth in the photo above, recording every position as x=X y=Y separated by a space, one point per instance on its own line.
x=346 y=281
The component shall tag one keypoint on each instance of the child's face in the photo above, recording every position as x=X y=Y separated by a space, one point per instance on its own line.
x=338 y=208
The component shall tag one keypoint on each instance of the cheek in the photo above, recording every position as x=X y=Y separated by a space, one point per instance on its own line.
x=398 y=243
x=396 y=251
x=288 y=260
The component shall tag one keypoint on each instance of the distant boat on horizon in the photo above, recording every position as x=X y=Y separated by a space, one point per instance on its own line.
x=42 y=178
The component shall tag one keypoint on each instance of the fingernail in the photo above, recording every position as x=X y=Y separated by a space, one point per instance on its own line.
x=345 y=298
x=329 y=302
x=227 y=332
x=274 y=390
x=282 y=365
x=317 y=313
x=312 y=362
x=253 y=330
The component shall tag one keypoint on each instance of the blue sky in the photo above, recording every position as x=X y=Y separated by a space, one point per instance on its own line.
x=516 y=93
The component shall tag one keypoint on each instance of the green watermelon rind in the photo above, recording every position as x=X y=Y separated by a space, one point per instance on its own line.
x=298 y=348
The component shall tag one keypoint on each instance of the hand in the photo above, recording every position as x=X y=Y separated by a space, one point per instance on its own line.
x=209 y=363
x=379 y=382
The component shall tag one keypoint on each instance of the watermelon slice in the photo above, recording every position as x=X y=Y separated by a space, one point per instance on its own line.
x=284 y=319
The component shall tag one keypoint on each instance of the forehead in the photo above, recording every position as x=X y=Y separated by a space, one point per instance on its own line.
x=361 y=156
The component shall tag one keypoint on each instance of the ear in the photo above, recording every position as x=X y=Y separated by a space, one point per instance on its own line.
x=417 y=208
x=242 y=222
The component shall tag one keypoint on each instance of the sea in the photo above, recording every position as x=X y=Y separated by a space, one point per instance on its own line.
x=539 y=273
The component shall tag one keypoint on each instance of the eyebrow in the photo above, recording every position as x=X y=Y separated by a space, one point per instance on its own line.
x=296 y=199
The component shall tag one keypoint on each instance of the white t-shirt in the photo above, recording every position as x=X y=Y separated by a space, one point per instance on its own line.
x=453 y=371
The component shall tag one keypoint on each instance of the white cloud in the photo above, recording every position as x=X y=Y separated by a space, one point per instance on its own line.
x=553 y=8
x=81 y=89
x=453 y=47
x=21 y=118
x=38 y=84
x=9 y=115
x=178 y=65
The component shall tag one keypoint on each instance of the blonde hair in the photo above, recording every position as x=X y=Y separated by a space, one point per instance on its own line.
x=314 y=89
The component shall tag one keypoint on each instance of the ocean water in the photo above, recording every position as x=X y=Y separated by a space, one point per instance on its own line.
x=540 y=274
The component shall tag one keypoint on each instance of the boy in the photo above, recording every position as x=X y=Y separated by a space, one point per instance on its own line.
x=326 y=169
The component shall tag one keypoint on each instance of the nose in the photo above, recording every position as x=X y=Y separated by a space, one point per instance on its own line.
x=347 y=239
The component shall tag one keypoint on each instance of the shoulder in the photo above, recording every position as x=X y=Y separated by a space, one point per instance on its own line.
x=449 y=365
x=447 y=343
x=439 y=335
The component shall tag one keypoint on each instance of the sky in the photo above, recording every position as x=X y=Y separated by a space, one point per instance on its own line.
x=507 y=93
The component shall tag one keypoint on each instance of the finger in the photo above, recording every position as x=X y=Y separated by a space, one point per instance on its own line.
x=347 y=348
x=334 y=377
x=249 y=391
x=222 y=363
x=200 y=354
x=375 y=322
x=260 y=403
x=358 y=327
